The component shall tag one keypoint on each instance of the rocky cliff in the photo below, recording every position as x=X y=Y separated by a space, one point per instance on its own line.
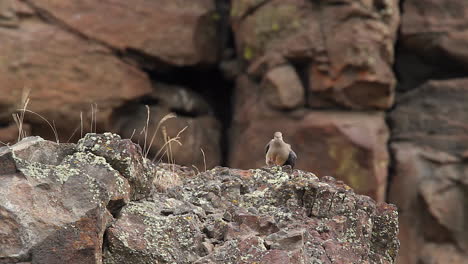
x=372 y=92
x=97 y=201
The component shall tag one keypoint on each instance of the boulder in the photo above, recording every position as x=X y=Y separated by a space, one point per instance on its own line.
x=176 y=32
x=350 y=146
x=87 y=203
x=346 y=59
x=429 y=187
x=435 y=115
x=436 y=29
x=262 y=215
x=65 y=72
x=195 y=124
x=56 y=202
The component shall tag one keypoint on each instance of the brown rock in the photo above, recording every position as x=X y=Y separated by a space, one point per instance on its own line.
x=179 y=32
x=10 y=134
x=436 y=29
x=56 y=202
x=347 y=59
x=65 y=74
x=432 y=201
x=351 y=146
x=141 y=235
x=200 y=136
x=125 y=157
x=283 y=88
x=435 y=115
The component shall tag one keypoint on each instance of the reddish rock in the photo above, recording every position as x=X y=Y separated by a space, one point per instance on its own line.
x=10 y=135
x=179 y=32
x=429 y=189
x=65 y=73
x=282 y=88
x=435 y=115
x=347 y=59
x=436 y=29
x=430 y=173
x=351 y=146
x=200 y=137
x=56 y=202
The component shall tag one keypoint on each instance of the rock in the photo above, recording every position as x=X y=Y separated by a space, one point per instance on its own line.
x=347 y=60
x=71 y=203
x=351 y=146
x=283 y=88
x=56 y=202
x=195 y=124
x=142 y=235
x=9 y=134
x=430 y=192
x=65 y=73
x=435 y=29
x=433 y=115
x=180 y=32
x=125 y=157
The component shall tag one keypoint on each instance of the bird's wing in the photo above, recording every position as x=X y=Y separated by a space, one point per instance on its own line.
x=292 y=157
x=267 y=147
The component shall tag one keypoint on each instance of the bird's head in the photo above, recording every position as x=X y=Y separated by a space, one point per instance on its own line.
x=278 y=136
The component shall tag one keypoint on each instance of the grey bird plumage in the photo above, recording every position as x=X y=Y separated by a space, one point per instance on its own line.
x=278 y=152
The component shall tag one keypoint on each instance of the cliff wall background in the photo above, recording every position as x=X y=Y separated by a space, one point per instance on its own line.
x=373 y=92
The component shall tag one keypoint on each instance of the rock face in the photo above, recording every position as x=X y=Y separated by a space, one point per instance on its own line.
x=430 y=183
x=56 y=202
x=177 y=32
x=92 y=203
x=351 y=146
x=196 y=125
x=346 y=61
x=306 y=62
x=60 y=69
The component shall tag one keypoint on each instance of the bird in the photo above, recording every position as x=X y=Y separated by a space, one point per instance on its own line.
x=278 y=152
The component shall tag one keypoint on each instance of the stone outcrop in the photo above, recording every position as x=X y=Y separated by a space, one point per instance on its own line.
x=96 y=202
x=304 y=63
x=429 y=183
x=344 y=51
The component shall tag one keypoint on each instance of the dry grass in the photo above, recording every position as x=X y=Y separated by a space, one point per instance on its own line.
x=164 y=178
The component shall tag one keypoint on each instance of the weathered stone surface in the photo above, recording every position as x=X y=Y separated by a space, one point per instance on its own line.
x=179 y=32
x=125 y=157
x=429 y=185
x=143 y=234
x=345 y=49
x=56 y=202
x=436 y=29
x=283 y=88
x=10 y=134
x=350 y=146
x=195 y=118
x=263 y=215
x=65 y=72
x=429 y=188
x=435 y=114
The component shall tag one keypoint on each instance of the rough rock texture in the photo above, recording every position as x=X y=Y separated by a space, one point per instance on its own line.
x=304 y=64
x=430 y=184
x=196 y=125
x=436 y=29
x=244 y=216
x=67 y=203
x=350 y=146
x=344 y=49
x=56 y=202
x=178 y=32
x=65 y=73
